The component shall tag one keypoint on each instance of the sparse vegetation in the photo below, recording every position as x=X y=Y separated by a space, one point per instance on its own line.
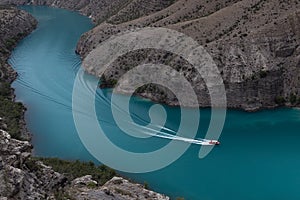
x=146 y=185
x=75 y=169
x=9 y=43
x=280 y=100
x=11 y=112
x=263 y=74
x=293 y=99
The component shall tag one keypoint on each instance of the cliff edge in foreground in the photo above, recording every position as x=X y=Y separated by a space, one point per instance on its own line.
x=22 y=177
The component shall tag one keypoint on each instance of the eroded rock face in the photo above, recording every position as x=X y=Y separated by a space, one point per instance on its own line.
x=255 y=45
x=22 y=178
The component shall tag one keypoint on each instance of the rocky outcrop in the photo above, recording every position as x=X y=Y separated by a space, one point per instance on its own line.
x=116 y=189
x=22 y=178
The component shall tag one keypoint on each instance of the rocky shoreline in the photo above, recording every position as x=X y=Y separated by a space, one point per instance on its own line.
x=255 y=45
x=15 y=25
x=22 y=176
x=257 y=53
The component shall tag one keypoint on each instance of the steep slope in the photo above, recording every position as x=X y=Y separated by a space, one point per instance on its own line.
x=116 y=11
x=98 y=10
x=139 y=8
x=14 y=25
x=254 y=43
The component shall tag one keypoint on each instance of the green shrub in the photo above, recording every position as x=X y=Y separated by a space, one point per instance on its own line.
x=5 y=89
x=9 y=43
x=263 y=74
x=31 y=165
x=75 y=169
x=146 y=185
x=12 y=113
x=92 y=185
x=280 y=100
x=293 y=98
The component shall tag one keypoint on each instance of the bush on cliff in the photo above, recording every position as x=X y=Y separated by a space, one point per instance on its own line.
x=75 y=169
x=280 y=100
x=10 y=111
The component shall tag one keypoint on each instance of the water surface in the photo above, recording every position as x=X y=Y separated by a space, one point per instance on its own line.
x=258 y=158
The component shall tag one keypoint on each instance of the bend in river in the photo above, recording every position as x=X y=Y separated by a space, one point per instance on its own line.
x=258 y=158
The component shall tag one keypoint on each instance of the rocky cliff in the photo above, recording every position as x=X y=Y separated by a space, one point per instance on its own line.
x=255 y=45
x=22 y=177
x=14 y=25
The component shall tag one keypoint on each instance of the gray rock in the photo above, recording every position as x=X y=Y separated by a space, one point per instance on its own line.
x=17 y=179
x=116 y=189
x=84 y=181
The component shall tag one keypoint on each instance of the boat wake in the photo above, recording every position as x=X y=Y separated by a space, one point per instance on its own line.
x=198 y=141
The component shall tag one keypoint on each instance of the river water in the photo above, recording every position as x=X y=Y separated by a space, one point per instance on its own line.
x=258 y=158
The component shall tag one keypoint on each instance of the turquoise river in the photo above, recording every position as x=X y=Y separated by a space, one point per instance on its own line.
x=259 y=155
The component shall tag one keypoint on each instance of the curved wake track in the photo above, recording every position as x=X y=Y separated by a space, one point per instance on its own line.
x=154 y=131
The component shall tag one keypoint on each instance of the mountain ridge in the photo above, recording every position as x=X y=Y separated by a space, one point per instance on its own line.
x=255 y=45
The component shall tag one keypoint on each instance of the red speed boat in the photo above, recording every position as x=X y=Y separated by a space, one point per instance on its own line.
x=214 y=142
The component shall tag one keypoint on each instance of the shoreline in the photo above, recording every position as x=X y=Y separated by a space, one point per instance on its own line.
x=12 y=75
x=26 y=139
x=144 y=97
x=247 y=108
